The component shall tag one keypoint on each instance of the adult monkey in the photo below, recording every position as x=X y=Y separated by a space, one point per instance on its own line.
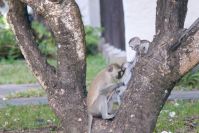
x=97 y=99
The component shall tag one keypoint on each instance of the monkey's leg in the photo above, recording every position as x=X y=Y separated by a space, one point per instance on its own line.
x=110 y=105
x=104 y=109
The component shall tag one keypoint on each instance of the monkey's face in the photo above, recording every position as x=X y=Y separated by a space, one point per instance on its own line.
x=134 y=43
x=115 y=71
x=121 y=73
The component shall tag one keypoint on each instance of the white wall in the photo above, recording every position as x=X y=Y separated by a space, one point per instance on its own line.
x=193 y=12
x=95 y=20
x=90 y=10
x=140 y=19
x=84 y=8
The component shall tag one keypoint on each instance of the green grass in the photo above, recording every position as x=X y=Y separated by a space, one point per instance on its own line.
x=27 y=93
x=94 y=65
x=186 y=114
x=17 y=72
x=27 y=117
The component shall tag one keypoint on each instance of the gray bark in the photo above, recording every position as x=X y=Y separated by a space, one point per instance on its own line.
x=66 y=84
x=172 y=53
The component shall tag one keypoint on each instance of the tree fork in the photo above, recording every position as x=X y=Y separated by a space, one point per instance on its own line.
x=154 y=75
x=65 y=84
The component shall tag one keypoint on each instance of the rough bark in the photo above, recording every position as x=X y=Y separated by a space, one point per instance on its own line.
x=172 y=54
x=66 y=84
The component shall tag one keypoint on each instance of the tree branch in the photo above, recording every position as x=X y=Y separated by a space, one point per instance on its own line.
x=170 y=15
x=187 y=49
x=69 y=33
x=184 y=35
x=36 y=61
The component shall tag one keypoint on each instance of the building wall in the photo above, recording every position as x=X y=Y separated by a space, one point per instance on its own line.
x=90 y=11
x=94 y=9
x=140 y=19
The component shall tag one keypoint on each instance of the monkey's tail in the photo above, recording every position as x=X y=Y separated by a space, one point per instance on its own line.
x=90 y=119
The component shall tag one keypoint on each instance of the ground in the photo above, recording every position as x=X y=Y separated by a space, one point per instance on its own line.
x=176 y=116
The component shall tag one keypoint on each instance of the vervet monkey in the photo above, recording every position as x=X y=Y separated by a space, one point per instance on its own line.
x=115 y=96
x=140 y=46
x=101 y=87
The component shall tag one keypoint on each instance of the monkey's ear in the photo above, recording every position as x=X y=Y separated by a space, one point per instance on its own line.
x=110 y=68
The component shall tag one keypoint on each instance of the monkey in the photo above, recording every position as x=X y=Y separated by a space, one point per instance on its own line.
x=102 y=99
x=101 y=87
x=140 y=46
x=116 y=95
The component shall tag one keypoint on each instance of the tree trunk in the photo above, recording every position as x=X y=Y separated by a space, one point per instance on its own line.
x=112 y=20
x=171 y=55
x=65 y=85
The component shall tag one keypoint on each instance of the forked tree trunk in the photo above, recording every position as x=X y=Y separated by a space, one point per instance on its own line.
x=65 y=85
x=172 y=54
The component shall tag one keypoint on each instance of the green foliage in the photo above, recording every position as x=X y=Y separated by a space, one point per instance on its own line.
x=10 y=50
x=92 y=39
x=8 y=46
x=45 y=40
x=190 y=80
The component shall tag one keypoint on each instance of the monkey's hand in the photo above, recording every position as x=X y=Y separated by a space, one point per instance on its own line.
x=111 y=88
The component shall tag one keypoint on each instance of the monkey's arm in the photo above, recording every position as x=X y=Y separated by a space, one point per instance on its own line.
x=110 y=88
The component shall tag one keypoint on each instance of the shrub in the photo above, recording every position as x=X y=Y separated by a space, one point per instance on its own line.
x=190 y=80
x=45 y=41
x=92 y=39
x=8 y=46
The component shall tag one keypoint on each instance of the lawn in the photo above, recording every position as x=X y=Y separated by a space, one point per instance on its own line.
x=17 y=72
x=27 y=117
x=179 y=117
x=176 y=117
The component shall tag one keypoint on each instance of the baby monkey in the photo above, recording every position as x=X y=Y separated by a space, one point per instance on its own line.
x=101 y=87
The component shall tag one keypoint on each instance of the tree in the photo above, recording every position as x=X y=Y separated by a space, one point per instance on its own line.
x=172 y=53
